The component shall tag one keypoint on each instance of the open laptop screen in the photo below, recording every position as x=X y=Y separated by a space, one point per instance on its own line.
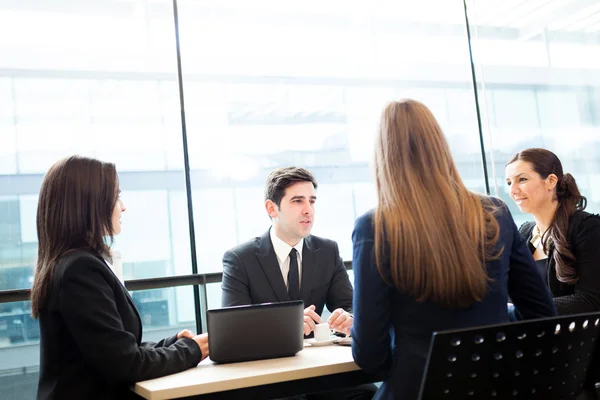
x=255 y=332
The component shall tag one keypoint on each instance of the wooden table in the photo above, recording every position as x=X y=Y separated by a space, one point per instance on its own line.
x=314 y=368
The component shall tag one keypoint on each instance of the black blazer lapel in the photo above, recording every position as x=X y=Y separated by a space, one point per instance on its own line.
x=268 y=261
x=137 y=313
x=310 y=261
x=130 y=299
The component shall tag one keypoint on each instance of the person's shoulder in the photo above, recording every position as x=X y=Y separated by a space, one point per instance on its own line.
x=584 y=216
x=78 y=257
x=526 y=228
x=492 y=200
x=494 y=204
x=501 y=212
x=79 y=261
x=365 y=222
x=318 y=242
x=582 y=219
x=247 y=247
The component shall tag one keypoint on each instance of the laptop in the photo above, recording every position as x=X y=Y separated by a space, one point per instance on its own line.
x=255 y=332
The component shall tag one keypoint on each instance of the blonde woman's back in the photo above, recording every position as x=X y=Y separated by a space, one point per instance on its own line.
x=435 y=231
x=379 y=306
x=432 y=255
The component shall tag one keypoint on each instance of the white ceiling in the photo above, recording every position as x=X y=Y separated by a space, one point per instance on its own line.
x=530 y=17
x=535 y=16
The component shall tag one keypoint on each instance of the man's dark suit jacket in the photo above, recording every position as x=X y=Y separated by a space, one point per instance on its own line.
x=90 y=344
x=251 y=275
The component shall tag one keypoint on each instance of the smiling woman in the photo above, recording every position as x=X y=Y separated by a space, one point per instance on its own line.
x=563 y=238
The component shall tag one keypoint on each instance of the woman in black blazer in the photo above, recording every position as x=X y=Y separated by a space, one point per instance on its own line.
x=90 y=329
x=564 y=239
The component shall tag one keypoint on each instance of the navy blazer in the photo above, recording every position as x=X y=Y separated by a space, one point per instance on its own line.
x=392 y=331
x=251 y=275
x=90 y=336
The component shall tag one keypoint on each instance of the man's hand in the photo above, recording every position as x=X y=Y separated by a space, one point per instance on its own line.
x=185 y=333
x=340 y=321
x=202 y=341
x=310 y=319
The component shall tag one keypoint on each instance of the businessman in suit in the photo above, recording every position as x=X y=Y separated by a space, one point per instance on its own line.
x=287 y=262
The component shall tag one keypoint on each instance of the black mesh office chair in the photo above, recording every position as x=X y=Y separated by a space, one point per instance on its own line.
x=541 y=359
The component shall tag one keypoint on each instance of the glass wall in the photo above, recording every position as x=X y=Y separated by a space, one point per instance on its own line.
x=267 y=84
x=108 y=93
x=96 y=78
x=538 y=70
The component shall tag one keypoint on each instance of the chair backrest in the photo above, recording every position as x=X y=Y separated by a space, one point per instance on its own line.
x=539 y=359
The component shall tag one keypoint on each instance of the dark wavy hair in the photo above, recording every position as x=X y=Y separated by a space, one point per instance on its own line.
x=75 y=208
x=282 y=178
x=545 y=162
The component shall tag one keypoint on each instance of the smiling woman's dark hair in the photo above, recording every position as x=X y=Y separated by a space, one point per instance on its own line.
x=544 y=163
x=75 y=207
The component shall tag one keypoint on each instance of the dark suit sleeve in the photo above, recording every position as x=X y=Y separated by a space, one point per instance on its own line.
x=89 y=310
x=163 y=343
x=235 y=285
x=587 y=254
x=371 y=341
x=340 y=289
x=526 y=288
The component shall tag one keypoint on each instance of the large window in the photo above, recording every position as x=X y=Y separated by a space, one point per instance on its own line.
x=96 y=78
x=109 y=93
x=538 y=69
x=269 y=84
x=266 y=84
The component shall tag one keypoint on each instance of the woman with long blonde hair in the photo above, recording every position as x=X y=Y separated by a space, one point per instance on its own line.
x=432 y=256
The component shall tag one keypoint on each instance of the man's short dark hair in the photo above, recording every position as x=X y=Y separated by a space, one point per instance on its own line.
x=282 y=178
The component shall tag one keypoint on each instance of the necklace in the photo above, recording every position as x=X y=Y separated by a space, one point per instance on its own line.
x=536 y=239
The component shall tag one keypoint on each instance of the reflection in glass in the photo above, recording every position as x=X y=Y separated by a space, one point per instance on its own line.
x=541 y=87
x=304 y=84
